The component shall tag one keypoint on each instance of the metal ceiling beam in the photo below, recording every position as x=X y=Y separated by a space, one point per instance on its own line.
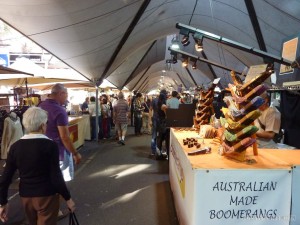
x=209 y=66
x=132 y=75
x=142 y=83
x=125 y=37
x=141 y=77
x=181 y=80
x=189 y=72
x=255 y=25
x=202 y=60
x=143 y=87
x=234 y=44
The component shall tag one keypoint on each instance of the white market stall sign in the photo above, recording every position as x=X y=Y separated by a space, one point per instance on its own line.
x=243 y=197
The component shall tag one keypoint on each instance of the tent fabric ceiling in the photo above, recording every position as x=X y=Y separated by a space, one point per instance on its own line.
x=114 y=39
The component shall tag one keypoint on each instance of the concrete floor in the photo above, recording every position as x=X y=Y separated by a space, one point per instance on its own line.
x=117 y=185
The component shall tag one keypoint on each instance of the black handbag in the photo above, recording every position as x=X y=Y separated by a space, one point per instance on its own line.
x=73 y=219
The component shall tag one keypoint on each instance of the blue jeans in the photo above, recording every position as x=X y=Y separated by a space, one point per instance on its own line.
x=93 y=127
x=154 y=135
x=67 y=166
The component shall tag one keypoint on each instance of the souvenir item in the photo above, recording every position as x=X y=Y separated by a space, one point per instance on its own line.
x=247 y=131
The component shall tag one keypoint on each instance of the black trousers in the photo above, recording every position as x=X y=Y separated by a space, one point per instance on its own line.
x=137 y=124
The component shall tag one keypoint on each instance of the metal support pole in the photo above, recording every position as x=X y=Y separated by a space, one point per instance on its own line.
x=97 y=113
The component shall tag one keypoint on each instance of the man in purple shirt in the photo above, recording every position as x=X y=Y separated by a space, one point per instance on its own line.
x=57 y=130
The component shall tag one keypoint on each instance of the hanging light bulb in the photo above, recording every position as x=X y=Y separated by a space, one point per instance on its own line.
x=185 y=62
x=194 y=66
x=199 y=46
x=185 y=40
x=174 y=59
x=198 y=42
x=175 y=43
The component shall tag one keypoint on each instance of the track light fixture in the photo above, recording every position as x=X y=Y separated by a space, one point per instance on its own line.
x=198 y=42
x=186 y=30
x=194 y=58
x=185 y=61
x=185 y=40
x=175 y=43
x=199 y=46
x=174 y=59
x=194 y=66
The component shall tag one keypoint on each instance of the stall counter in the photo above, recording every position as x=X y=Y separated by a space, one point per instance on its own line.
x=215 y=190
x=79 y=128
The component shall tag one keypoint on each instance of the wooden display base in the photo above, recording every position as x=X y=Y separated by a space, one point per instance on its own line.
x=239 y=156
x=243 y=156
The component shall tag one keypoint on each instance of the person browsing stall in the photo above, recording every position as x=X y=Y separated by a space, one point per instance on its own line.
x=36 y=158
x=85 y=105
x=173 y=102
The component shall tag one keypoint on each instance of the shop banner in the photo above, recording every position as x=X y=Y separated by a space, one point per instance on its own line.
x=73 y=130
x=244 y=197
x=295 y=213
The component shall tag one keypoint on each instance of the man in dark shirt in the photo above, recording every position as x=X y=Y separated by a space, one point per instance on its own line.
x=154 y=108
x=85 y=105
x=132 y=107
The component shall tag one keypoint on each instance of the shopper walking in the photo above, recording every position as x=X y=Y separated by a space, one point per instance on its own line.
x=138 y=111
x=120 y=117
x=93 y=115
x=132 y=108
x=154 y=108
x=106 y=113
x=161 y=125
x=36 y=158
x=146 y=116
x=57 y=130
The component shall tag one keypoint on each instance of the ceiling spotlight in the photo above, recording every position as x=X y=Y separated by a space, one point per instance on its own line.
x=199 y=46
x=185 y=62
x=174 y=59
x=198 y=42
x=175 y=43
x=194 y=66
x=185 y=40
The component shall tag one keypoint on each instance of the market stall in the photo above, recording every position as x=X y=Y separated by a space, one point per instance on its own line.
x=79 y=128
x=212 y=189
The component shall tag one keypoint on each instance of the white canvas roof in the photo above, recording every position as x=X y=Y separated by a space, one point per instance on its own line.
x=125 y=41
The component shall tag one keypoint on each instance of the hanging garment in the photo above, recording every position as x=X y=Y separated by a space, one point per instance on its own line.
x=12 y=131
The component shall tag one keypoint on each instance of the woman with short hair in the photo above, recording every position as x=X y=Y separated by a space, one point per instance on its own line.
x=36 y=157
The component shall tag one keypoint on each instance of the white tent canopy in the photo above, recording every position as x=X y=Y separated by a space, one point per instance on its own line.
x=26 y=65
x=122 y=40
